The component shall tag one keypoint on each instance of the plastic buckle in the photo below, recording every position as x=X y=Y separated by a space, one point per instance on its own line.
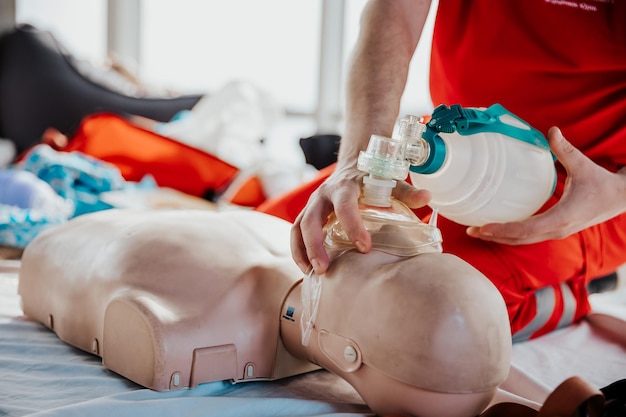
x=444 y=118
x=472 y=117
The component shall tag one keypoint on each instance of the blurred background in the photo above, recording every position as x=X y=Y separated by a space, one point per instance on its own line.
x=297 y=51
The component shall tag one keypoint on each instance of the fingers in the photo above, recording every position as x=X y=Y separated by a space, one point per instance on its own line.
x=550 y=225
x=535 y=229
x=347 y=211
x=547 y=225
x=311 y=228
x=307 y=235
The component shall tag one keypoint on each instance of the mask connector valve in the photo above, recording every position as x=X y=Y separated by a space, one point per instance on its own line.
x=384 y=161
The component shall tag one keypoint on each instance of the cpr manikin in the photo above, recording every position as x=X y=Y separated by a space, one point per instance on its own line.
x=172 y=299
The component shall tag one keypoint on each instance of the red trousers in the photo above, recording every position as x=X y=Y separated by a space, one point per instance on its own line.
x=543 y=284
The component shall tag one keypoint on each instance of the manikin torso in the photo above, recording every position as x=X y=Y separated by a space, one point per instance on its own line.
x=160 y=295
x=172 y=299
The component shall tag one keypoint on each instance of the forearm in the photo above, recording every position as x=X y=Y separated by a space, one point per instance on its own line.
x=390 y=31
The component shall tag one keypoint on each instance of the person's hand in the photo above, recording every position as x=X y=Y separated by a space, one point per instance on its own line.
x=592 y=195
x=340 y=192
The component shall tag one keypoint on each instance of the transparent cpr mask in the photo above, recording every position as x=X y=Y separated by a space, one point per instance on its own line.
x=394 y=230
x=398 y=232
x=393 y=227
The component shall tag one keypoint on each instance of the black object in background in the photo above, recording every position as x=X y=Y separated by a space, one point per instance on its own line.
x=40 y=88
x=320 y=150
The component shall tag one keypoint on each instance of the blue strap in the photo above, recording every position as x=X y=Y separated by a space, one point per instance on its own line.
x=468 y=121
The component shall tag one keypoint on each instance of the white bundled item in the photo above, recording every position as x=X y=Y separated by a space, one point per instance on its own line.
x=229 y=124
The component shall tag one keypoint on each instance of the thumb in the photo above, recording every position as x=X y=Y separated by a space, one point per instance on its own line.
x=564 y=151
x=411 y=196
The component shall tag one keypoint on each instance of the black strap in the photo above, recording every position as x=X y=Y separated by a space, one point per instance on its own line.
x=615 y=399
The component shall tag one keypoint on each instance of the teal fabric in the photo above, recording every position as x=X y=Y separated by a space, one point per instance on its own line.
x=77 y=179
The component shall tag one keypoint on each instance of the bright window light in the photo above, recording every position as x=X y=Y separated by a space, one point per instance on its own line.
x=198 y=46
x=79 y=25
x=201 y=45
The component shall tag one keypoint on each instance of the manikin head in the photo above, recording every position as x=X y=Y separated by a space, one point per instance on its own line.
x=424 y=336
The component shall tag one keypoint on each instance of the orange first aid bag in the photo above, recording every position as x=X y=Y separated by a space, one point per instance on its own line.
x=138 y=152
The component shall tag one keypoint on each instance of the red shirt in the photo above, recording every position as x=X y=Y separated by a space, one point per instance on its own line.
x=551 y=62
